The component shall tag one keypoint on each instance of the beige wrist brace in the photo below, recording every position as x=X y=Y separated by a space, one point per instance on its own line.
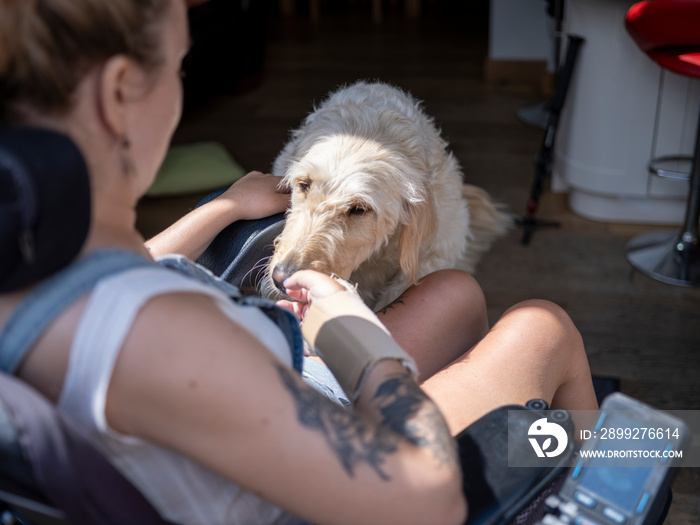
x=350 y=339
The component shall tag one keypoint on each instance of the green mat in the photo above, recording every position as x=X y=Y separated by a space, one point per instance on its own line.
x=195 y=168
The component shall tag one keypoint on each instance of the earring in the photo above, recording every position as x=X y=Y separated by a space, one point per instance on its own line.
x=128 y=167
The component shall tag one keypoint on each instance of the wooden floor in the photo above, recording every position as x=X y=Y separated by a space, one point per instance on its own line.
x=645 y=333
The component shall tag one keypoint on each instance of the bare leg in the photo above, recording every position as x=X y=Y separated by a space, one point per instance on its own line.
x=533 y=351
x=438 y=320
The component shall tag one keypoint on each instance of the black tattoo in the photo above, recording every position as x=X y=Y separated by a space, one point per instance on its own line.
x=399 y=400
x=407 y=414
x=399 y=300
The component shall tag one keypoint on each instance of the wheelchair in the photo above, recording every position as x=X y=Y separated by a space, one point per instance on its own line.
x=51 y=473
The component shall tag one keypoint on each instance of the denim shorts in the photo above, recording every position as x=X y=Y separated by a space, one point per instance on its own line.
x=319 y=377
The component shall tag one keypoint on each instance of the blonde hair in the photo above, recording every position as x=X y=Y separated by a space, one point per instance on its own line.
x=47 y=46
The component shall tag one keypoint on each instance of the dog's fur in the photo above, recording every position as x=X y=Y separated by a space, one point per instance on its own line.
x=376 y=196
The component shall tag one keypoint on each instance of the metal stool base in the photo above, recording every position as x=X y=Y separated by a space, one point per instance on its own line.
x=655 y=254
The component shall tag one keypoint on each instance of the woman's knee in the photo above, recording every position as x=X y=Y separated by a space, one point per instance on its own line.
x=540 y=311
x=456 y=288
x=547 y=321
x=568 y=382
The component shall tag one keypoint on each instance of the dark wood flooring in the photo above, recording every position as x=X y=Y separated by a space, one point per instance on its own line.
x=644 y=333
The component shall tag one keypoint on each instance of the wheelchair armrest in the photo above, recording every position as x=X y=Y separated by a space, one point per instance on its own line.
x=239 y=251
x=496 y=492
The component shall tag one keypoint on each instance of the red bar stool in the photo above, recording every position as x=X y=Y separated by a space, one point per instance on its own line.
x=668 y=31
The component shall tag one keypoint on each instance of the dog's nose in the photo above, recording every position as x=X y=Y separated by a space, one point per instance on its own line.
x=279 y=273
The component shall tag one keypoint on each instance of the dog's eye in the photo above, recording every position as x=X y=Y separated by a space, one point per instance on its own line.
x=303 y=186
x=358 y=209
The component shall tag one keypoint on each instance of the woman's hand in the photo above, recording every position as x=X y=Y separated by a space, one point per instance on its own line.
x=257 y=195
x=305 y=286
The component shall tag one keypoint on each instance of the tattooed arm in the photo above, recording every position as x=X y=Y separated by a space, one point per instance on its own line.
x=398 y=405
x=373 y=370
x=192 y=381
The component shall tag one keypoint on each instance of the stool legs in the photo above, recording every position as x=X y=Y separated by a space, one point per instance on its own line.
x=670 y=256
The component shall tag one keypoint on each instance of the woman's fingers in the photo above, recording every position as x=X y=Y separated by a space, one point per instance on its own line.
x=257 y=195
x=298 y=309
x=307 y=285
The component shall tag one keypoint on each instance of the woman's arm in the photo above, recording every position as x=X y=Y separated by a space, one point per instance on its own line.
x=254 y=196
x=208 y=389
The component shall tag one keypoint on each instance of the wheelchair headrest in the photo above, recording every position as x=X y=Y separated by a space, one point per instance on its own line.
x=44 y=204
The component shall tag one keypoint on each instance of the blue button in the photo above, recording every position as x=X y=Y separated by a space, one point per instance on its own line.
x=580 y=520
x=584 y=499
x=643 y=502
x=614 y=515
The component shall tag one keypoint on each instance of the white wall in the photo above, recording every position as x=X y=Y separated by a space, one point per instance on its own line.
x=520 y=30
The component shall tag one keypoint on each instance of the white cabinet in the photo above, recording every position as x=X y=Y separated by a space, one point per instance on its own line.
x=622 y=109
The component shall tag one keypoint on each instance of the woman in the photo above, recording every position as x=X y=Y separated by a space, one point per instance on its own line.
x=193 y=397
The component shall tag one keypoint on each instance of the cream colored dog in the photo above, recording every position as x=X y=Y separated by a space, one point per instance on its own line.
x=377 y=198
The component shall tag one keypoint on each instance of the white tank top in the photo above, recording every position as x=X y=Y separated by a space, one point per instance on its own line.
x=180 y=489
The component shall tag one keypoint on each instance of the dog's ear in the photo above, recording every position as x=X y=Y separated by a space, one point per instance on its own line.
x=419 y=227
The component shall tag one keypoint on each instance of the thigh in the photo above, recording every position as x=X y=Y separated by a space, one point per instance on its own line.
x=438 y=320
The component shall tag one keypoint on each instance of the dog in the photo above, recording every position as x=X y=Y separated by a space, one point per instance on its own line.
x=377 y=198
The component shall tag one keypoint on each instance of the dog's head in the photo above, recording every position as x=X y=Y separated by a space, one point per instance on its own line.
x=353 y=197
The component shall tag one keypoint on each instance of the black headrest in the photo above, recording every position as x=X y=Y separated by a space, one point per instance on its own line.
x=44 y=204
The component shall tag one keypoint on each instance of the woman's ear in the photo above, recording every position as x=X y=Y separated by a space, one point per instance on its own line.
x=113 y=93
